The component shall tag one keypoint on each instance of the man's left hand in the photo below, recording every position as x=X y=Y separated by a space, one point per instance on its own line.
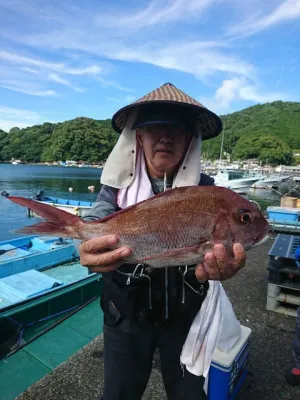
x=217 y=266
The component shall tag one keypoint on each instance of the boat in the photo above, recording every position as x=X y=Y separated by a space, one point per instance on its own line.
x=76 y=207
x=34 y=252
x=272 y=181
x=41 y=279
x=235 y=180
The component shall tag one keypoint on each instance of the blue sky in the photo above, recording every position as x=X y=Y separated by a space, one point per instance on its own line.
x=65 y=59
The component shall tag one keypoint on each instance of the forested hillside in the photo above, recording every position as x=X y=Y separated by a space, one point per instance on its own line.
x=81 y=139
x=246 y=132
x=268 y=132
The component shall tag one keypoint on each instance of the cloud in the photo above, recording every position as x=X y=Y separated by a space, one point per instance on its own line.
x=237 y=89
x=31 y=70
x=286 y=11
x=12 y=117
x=31 y=75
x=56 y=78
x=26 y=88
x=100 y=35
x=196 y=58
x=178 y=35
x=156 y=13
x=58 y=67
x=105 y=82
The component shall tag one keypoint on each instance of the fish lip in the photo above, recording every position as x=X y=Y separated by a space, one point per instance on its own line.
x=263 y=240
x=269 y=234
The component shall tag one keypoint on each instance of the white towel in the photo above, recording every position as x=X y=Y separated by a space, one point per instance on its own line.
x=215 y=325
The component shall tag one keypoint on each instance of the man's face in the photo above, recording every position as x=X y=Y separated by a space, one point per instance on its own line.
x=164 y=147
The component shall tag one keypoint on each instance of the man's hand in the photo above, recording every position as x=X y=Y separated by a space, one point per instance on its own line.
x=97 y=254
x=218 y=266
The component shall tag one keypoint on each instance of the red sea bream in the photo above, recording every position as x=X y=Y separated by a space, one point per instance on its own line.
x=173 y=228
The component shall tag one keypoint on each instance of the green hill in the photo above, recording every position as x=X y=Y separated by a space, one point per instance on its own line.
x=267 y=132
x=81 y=139
x=279 y=119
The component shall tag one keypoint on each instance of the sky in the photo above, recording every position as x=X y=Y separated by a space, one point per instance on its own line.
x=65 y=59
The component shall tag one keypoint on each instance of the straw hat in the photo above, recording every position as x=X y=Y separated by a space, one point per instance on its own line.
x=210 y=123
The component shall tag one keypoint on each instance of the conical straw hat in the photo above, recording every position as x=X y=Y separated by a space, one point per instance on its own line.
x=210 y=123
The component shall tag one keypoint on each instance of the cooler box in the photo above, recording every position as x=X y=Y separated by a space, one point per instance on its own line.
x=228 y=370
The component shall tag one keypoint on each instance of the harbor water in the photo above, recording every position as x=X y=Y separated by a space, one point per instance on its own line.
x=28 y=180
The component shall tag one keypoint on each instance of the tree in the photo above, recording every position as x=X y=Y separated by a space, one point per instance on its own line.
x=267 y=148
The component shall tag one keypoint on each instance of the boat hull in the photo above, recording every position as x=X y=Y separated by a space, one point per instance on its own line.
x=74 y=207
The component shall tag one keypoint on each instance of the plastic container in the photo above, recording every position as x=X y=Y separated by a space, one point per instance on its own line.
x=229 y=370
x=283 y=214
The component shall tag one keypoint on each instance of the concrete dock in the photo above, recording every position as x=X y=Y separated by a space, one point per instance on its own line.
x=81 y=376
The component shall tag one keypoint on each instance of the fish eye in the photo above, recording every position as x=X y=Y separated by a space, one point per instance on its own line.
x=245 y=218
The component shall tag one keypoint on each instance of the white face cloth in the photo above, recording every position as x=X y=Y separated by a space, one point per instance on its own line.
x=125 y=167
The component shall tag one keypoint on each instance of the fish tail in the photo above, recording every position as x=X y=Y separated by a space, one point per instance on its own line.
x=57 y=222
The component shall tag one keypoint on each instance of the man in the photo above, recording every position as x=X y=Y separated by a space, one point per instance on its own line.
x=293 y=376
x=159 y=148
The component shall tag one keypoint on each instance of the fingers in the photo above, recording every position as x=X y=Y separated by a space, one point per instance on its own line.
x=95 y=245
x=104 y=259
x=239 y=256
x=98 y=255
x=218 y=266
x=201 y=274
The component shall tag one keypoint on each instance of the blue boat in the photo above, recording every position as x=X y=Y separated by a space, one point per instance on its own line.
x=34 y=252
x=41 y=278
x=76 y=207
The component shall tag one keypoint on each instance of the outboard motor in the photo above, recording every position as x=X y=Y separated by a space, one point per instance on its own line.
x=39 y=196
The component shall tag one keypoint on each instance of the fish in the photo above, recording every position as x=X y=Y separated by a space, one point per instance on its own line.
x=173 y=228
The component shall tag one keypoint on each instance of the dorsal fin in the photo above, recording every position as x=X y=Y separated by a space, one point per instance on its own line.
x=163 y=194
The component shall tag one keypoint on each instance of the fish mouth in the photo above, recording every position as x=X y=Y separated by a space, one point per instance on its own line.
x=270 y=234
x=261 y=241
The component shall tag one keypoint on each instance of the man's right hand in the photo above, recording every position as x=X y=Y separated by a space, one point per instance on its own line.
x=97 y=254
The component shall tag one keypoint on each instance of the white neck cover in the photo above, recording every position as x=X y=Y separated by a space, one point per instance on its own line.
x=125 y=168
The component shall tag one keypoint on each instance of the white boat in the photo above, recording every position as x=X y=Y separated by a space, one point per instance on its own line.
x=235 y=180
x=270 y=181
